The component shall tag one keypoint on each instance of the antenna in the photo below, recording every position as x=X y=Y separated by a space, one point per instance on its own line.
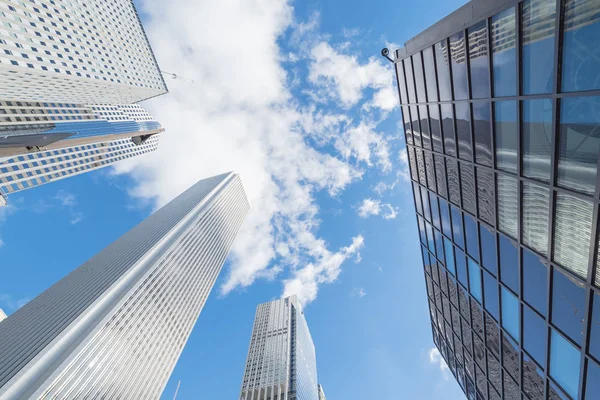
x=177 y=390
x=175 y=76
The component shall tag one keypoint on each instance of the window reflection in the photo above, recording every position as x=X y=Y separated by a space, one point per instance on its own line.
x=425 y=200
x=537 y=138
x=504 y=53
x=406 y=120
x=579 y=143
x=581 y=44
x=445 y=215
x=595 y=328
x=430 y=74
x=564 y=364
x=475 y=280
x=494 y=374
x=436 y=132
x=463 y=131
x=421 y=167
x=410 y=83
x=430 y=170
x=424 y=119
x=461 y=268
x=533 y=381
x=568 y=302
x=534 y=335
x=422 y=233
x=448 y=129
x=419 y=77
x=508 y=216
x=416 y=125
x=453 y=185
x=457 y=227
x=490 y=293
x=440 y=173
x=441 y=59
x=402 y=82
x=418 y=203
x=486 y=195
x=510 y=313
x=478 y=60
x=509 y=267
x=488 y=249
x=537 y=57
x=510 y=358
x=505 y=127
x=535 y=205
x=471 y=235
x=435 y=215
x=535 y=281
x=449 y=253
x=459 y=66
x=482 y=133
x=467 y=184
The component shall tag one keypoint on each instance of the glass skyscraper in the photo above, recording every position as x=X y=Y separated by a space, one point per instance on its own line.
x=281 y=363
x=501 y=110
x=115 y=327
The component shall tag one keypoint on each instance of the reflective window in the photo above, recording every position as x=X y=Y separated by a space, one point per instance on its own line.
x=535 y=205
x=471 y=235
x=535 y=281
x=505 y=127
x=436 y=132
x=492 y=335
x=459 y=66
x=402 y=83
x=494 y=371
x=418 y=203
x=457 y=227
x=430 y=74
x=448 y=129
x=461 y=267
x=412 y=161
x=430 y=239
x=504 y=53
x=579 y=143
x=488 y=249
x=508 y=215
x=533 y=379
x=467 y=185
x=581 y=43
x=478 y=60
x=406 y=120
x=430 y=170
x=490 y=292
x=537 y=57
x=476 y=314
x=595 y=328
x=556 y=393
x=511 y=389
x=510 y=313
x=422 y=230
x=445 y=215
x=537 y=138
x=439 y=246
x=463 y=131
x=453 y=183
x=440 y=174
x=416 y=125
x=419 y=78
x=568 y=302
x=486 y=195
x=482 y=133
x=510 y=358
x=410 y=83
x=424 y=118
x=425 y=199
x=435 y=216
x=441 y=60
x=572 y=233
x=509 y=263
x=564 y=364
x=464 y=307
x=592 y=386
x=534 y=335
x=475 y=280
x=449 y=252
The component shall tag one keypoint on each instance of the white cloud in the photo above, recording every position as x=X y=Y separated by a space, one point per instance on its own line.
x=404 y=172
x=350 y=32
x=364 y=144
x=65 y=198
x=239 y=115
x=9 y=303
x=374 y=207
x=68 y=201
x=436 y=358
x=360 y=292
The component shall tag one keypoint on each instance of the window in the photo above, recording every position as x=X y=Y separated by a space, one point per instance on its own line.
x=463 y=131
x=504 y=55
x=534 y=335
x=440 y=173
x=482 y=133
x=436 y=133
x=461 y=267
x=471 y=235
x=459 y=66
x=419 y=78
x=475 y=280
x=568 y=304
x=505 y=126
x=509 y=263
x=488 y=249
x=424 y=119
x=564 y=364
x=478 y=60
x=490 y=292
x=410 y=84
x=510 y=313
x=425 y=199
x=430 y=74
x=592 y=385
x=486 y=195
x=457 y=227
x=535 y=205
x=467 y=180
x=510 y=358
x=595 y=328
x=449 y=253
x=445 y=216
x=533 y=379
x=448 y=129
x=402 y=82
x=508 y=215
x=416 y=125
x=535 y=281
x=537 y=58
x=441 y=59
x=537 y=138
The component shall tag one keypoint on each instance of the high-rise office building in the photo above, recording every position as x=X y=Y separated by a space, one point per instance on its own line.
x=321 y=393
x=501 y=108
x=115 y=327
x=281 y=363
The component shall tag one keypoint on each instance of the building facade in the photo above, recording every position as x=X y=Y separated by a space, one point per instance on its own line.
x=321 y=393
x=501 y=110
x=281 y=363
x=115 y=327
x=2 y=315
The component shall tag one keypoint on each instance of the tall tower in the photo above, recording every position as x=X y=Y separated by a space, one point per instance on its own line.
x=115 y=327
x=321 y=393
x=2 y=315
x=281 y=362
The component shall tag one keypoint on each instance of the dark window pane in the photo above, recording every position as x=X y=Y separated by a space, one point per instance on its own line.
x=477 y=318
x=579 y=143
x=402 y=83
x=555 y=393
x=457 y=227
x=478 y=60
x=448 y=129
x=471 y=235
x=439 y=245
x=425 y=200
x=436 y=132
x=510 y=313
x=482 y=133
x=421 y=168
x=504 y=53
x=435 y=215
x=510 y=357
x=537 y=138
x=494 y=373
x=568 y=302
x=452 y=290
x=595 y=329
x=419 y=77
x=535 y=207
x=449 y=253
x=461 y=267
x=537 y=58
x=440 y=175
x=463 y=131
x=511 y=389
x=422 y=230
x=410 y=83
x=459 y=66
x=490 y=291
x=508 y=215
x=467 y=338
x=534 y=335
x=418 y=203
x=486 y=195
x=488 y=249
x=441 y=60
x=453 y=185
x=416 y=124
x=592 y=386
x=430 y=239
x=533 y=381
x=463 y=299
x=430 y=74
x=467 y=184
x=535 y=281
x=412 y=160
x=424 y=119
x=564 y=364
x=572 y=233
x=430 y=169
x=445 y=215
x=406 y=120
x=509 y=263
x=505 y=127
x=475 y=280
x=481 y=383
x=455 y=320
x=492 y=335
x=581 y=43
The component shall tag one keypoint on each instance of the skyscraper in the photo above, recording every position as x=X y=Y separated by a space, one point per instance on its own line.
x=281 y=362
x=321 y=393
x=115 y=327
x=501 y=109
x=2 y=315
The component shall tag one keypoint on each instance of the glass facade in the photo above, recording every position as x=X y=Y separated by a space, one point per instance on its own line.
x=508 y=207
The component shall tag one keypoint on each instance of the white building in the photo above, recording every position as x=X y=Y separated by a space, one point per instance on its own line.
x=2 y=315
x=321 y=393
x=281 y=363
x=115 y=327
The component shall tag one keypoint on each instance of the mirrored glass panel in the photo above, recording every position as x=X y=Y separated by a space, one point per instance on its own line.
x=592 y=386
x=568 y=305
x=537 y=57
x=505 y=128
x=448 y=129
x=461 y=268
x=483 y=133
x=564 y=364
x=508 y=215
x=425 y=201
x=535 y=281
x=430 y=170
x=463 y=131
x=581 y=46
x=406 y=120
x=533 y=379
x=510 y=357
x=535 y=206
x=490 y=291
x=416 y=125
x=479 y=60
x=445 y=215
x=440 y=175
x=402 y=83
x=471 y=235
x=421 y=168
x=510 y=313
x=436 y=131
x=412 y=161
x=453 y=182
x=410 y=82
x=486 y=195
x=509 y=263
x=449 y=250
x=475 y=280
x=504 y=53
x=443 y=72
x=579 y=143
x=435 y=215
x=419 y=77
x=488 y=249
x=467 y=184
x=459 y=66
x=535 y=332
x=418 y=201
x=595 y=327
x=430 y=80
x=425 y=134
x=537 y=138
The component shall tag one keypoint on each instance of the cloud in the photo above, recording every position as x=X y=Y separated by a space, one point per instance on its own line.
x=404 y=172
x=69 y=201
x=374 y=207
x=436 y=358
x=360 y=292
x=364 y=144
x=10 y=304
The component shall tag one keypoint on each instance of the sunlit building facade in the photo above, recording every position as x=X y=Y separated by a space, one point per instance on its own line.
x=115 y=326
x=501 y=110
x=281 y=363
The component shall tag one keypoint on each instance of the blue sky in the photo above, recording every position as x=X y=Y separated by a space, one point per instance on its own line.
x=294 y=97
